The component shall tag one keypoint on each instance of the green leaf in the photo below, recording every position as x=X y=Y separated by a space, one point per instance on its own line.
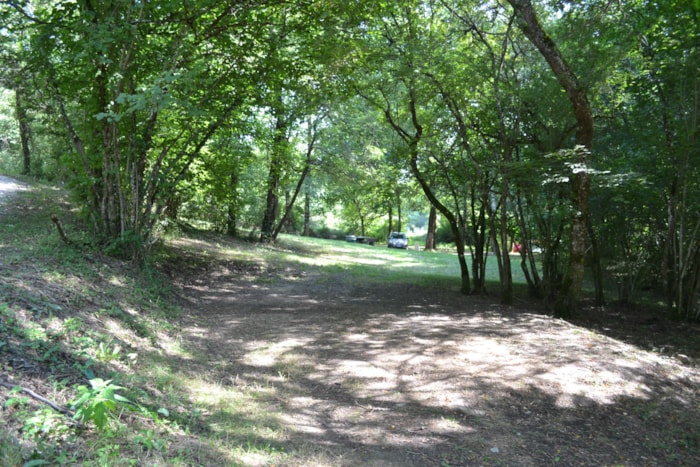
x=35 y=463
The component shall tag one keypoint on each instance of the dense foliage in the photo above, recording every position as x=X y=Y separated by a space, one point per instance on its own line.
x=570 y=129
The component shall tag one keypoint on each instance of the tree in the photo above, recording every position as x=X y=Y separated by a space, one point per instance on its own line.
x=161 y=80
x=308 y=162
x=14 y=76
x=485 y=108
x=297 y=53
x=24 y=131
x=531 y=27
x=660 y=130
x=400 y=33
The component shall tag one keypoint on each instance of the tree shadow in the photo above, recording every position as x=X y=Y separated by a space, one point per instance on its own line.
x=399 y=375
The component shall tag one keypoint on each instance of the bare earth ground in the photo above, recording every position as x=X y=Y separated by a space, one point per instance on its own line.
x=368 y=374
x=396 y=375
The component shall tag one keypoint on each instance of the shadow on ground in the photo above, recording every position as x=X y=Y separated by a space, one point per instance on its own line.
x=361 y=374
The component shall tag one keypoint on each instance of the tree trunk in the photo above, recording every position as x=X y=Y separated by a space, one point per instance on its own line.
x=527 y=261
x=479 y=239
x=391 y=219
x=287 y=219
x=232 y=217
x=24 y=132
x=432 y=229
x=691 y=311
x=271 y=205
x=596 y=266
x=362 y=222
x=289 y=204
x=412 y=143
x=307 y=214
x=399 y=220
x=267 y=227
x=505 y=272
x=457 y=231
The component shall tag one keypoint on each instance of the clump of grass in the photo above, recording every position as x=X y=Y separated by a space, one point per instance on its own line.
x=10 y=448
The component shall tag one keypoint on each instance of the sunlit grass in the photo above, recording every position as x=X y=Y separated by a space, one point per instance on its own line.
x=374 y=263
x=337 y=257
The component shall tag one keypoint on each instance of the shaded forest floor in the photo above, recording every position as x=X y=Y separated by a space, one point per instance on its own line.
x=394 y=374
x=278 y=359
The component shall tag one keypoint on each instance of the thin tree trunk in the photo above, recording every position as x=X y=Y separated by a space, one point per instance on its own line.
x=286 y=223
x=527 y=262
x=79 y=147
x=457 y=232
x=412 y=143
x=399 y=215
x=479 y=238
x=432 y=229
x=290 y=204
x=596 y=266
x=24 y=132
x=307 y=214
x=506 y=274
x=286 y=218
x=232 y=217
x=362 y=219
x=391 y=219
x=271 y=204
x=267 y=228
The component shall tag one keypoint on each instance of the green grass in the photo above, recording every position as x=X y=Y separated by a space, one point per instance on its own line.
x=381 y=264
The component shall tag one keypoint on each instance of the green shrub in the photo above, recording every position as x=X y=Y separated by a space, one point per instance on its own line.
x=97 y=403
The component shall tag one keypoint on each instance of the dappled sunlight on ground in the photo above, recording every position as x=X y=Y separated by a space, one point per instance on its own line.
x=414 y=360
x=398 y=374
x=415 y=379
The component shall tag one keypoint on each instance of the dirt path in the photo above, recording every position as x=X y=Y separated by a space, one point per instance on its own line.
x=402 y=376
x=8 y=187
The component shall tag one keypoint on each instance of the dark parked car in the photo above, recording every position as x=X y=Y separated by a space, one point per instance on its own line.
x=398 y=240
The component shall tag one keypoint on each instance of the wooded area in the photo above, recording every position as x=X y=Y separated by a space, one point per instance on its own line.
x=570 y=128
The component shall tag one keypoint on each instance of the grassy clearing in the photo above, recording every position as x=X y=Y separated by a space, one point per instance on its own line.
x=376 y=263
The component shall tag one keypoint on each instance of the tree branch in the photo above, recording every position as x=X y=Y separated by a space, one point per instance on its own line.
x=37 y=397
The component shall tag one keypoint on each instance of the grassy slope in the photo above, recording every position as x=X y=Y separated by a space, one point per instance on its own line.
x=68 y=314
